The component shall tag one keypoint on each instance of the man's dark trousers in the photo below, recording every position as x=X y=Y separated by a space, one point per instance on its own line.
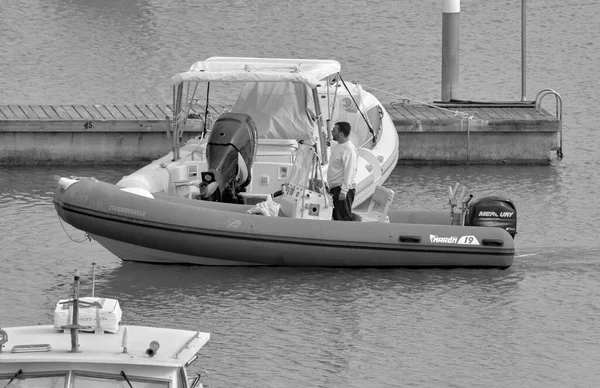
x=342 y=210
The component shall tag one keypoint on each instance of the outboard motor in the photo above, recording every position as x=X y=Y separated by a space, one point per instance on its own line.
x=493 y=211
x=230 y=153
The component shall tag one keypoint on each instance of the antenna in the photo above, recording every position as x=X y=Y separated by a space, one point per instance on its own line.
x=74 y=326
x=93 y=278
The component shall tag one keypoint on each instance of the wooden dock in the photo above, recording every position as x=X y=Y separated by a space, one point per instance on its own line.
x=67 y=118
x=509 y=116
x=478 y=133
x=429 y=114
x=84 y=112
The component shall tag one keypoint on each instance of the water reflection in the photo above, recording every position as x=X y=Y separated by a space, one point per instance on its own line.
x=341 y=317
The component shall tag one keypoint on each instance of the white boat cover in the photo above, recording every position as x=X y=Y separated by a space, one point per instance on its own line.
x=234 y=69
x=107 y=315
x=279 y=110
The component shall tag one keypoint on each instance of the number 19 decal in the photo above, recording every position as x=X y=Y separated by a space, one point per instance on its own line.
x=468 y=240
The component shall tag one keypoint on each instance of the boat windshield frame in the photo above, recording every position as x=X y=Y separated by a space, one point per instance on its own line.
x=247 y=69
x=98 y=377
x=7 y=379
x=71 y=378
x=306 y=172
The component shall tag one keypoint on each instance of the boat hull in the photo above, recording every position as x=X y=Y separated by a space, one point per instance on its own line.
x=174 y=230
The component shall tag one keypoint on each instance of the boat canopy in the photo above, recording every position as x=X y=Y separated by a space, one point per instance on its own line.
x=240 y=69
x=279 y=110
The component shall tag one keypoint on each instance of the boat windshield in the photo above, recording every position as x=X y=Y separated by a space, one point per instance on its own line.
x=37 y=380
x=305 y=166
x=85 y=380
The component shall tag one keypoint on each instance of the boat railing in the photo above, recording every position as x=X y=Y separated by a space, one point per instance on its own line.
x=458 y=198
x=558 y=104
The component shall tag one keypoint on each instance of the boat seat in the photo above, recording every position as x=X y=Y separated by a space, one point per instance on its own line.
x=378 y=206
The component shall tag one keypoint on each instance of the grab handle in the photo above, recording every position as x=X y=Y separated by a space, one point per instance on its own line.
x=492 y=242
x=410 y=239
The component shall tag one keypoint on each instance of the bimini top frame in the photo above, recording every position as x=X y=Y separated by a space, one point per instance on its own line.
x=234 y=69
x=297 y=110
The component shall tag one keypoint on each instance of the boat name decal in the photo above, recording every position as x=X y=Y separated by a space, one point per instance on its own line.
x=468 y=240
x=462 y=240
x=91 y=319
x=494 y=214
x=233 y=224
x=126 y=210
x=448 y=240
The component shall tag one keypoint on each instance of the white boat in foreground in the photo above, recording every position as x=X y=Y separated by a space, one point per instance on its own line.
x=267 y=106
x=99 y=352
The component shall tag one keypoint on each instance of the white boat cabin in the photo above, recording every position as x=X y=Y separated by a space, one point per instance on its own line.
x=96 y=356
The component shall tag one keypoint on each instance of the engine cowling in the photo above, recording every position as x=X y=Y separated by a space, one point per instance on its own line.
x=494 y=212
x=230 y=153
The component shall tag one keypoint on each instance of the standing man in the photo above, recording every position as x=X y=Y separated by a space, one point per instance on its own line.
x=341 y=172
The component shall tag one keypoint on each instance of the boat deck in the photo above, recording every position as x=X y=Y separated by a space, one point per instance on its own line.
x=176 y=346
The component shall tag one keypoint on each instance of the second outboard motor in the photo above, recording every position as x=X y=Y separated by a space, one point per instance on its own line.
x=230 y=153
x=493 y=211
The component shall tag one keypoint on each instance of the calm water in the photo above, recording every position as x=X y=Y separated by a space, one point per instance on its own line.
x=533 y=325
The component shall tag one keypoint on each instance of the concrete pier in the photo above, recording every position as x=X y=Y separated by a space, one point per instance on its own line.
x=84 y=134
x=475 y=133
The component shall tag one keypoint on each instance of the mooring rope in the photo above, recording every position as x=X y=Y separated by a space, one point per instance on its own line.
x=87 y=236
x=462 y=115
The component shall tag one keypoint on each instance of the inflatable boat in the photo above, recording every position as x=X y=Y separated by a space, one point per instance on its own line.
x=293 y=227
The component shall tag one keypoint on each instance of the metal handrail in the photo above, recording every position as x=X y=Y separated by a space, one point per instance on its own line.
x=558 y=115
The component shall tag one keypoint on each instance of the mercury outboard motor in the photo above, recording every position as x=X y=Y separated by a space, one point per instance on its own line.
x=230 y=153
x=493 y=211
